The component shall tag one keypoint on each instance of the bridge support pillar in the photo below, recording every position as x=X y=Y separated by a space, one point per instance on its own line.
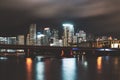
x=27 y=52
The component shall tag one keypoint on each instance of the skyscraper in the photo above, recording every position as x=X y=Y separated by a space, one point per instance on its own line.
x=47 y=36
x=55 y=33
x=68 y=34
x=32 y=33
x=28 y=39
x=55 y=37
x=40 y=38
x=21 y=40
x=81 y=36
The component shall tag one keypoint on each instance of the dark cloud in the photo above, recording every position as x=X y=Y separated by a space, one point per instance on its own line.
x=98 y=16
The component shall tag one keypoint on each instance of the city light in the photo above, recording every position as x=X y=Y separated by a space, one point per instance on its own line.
x=115 y=45
x=40 y=35
x=3 y=58
x=70 y=37
x=46 y=28
x=68 y=24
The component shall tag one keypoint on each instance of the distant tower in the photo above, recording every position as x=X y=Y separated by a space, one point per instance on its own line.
x=47 y=36
x=40 y=38
x=32 y=33
x=68 y=34
x=12 y=40
x=55 y=37
x=55 y=33
x=21 y=40
x=81 y=36
x=28 y=39
x=90 y=37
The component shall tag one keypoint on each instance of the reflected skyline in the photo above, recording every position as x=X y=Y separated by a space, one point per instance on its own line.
x=51 y=68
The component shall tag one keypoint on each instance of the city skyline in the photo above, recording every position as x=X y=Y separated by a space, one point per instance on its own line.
x=40 y=28
x=51 y=37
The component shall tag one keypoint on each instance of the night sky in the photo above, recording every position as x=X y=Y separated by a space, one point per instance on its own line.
x=101 y=17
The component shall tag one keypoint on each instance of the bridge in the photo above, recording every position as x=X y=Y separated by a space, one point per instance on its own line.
x=30 y=49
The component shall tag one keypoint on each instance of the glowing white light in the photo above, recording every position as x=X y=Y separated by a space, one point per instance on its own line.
x=52 y=44
x=40 y=35
x=68 y=70
x=101 y=49
x=115 y=45
x=46 y=28
x=68 y=25
x=85 y=63
x=108 y=50
x=3 y=58
x=40 y=71
x=20 y=50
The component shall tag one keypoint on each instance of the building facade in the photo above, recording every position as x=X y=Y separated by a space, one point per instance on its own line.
x=68 y=34
x=21 y=40
x=47 y=36
x=32 y=33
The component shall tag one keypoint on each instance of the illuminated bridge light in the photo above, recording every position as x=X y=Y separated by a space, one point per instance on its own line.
x=75 y=49
x=3 y=58
x=104 y=49
x=108 y=50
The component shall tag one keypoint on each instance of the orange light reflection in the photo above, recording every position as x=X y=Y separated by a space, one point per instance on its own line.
x=99 y=64
x=29 y=68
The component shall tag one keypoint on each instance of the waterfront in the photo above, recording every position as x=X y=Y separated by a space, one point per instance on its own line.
x=52 y=68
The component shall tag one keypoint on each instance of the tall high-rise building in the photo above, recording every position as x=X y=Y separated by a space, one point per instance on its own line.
x=3 y=40
x=32 y=33
x=68 y=34
x=47 y=32
x=90 y=37
x=8 y=40
x=40 y=39
x=81 y=36
x=47 y=36
x=55 y=37
x=74 y=39
x=12 y=40
x=55 y=33
x=21 y=40
x=28 y=39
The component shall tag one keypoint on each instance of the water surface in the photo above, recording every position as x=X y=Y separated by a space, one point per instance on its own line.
x=49 y=68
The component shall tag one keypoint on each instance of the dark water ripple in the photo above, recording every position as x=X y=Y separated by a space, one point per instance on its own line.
x=81 y=68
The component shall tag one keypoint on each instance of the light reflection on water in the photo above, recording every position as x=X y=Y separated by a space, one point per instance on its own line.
x=84 y=62
x=99 y=64
x=69 y=71
x=29 y=68
x=116 y=65
x=81 y=68
x=39 y=71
